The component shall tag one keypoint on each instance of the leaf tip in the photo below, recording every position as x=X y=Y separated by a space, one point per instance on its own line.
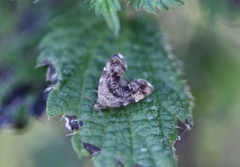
x=113 y=22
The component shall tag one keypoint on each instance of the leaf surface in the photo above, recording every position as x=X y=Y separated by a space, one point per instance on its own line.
x=108 y=8
x=140 y=134
x=151 y=5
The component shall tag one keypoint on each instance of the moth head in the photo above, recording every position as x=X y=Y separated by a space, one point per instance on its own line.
x=97 y=107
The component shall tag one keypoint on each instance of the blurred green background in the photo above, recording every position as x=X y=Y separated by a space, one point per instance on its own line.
x=205 y=34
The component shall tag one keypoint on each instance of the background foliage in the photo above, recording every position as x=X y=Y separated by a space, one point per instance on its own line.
x=203 y=33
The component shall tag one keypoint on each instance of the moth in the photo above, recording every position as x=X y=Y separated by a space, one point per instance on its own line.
x=116 y=92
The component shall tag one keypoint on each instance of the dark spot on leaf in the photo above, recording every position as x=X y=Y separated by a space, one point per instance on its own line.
x=119 y=163
x=72 y=122
x=81 y=123
x=91 y=148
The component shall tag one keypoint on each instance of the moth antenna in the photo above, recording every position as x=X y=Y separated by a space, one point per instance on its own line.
x=93 y=102
x=86 y=96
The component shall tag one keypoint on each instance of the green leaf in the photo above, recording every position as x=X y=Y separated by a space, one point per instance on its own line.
x=140 y=134
x=108 y=8
x=151 y=5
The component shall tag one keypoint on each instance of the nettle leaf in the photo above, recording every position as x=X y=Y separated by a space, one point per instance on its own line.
x=140 y=134
x=108 y=8
x=151 y=5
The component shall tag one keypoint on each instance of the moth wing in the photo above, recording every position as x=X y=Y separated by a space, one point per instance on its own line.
x=140 y=88
x=110 y=77
x=135 y=91
x=114 y=92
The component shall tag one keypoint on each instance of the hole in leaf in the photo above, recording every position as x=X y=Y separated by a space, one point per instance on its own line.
x=92 y=149
x=72 y=122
